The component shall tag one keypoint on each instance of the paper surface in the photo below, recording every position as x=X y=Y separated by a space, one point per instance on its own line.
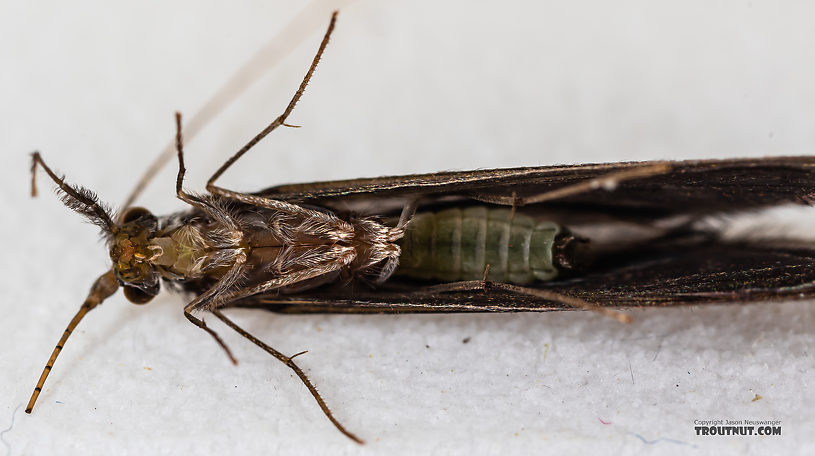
x=404 y=87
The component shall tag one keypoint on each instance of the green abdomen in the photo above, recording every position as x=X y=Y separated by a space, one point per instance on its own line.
x=458 y=244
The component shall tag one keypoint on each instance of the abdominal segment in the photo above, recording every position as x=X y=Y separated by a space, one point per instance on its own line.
x=458 y=244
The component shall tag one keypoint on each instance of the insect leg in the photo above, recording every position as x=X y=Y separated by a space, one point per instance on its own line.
x=288 y=361
x=298 y=29
x=396 y=233
x=207 y=298
x=280 y=120
x=407 y=215
x=203 y=325
x=608 y=182
x=484 y=285
x=217 y=213
x=335 y=259
x=282 y=206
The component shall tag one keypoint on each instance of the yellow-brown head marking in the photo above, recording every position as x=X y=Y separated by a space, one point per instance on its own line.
x=131 y=252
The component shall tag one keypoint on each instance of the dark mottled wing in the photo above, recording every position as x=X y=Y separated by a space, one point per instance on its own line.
x=707 y=273
x=701 y=186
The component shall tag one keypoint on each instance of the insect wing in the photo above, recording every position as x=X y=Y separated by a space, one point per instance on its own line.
x=680 y=274
x=694 y=186
x=686 y=267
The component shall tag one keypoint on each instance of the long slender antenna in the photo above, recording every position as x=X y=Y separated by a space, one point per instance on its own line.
x=104 y=286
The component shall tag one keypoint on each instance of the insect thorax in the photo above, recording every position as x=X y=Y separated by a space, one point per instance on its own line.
x=195 y=247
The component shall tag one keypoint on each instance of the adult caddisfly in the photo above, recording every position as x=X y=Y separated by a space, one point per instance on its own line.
x=594 y=237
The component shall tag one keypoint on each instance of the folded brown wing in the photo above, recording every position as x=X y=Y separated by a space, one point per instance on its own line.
x=690 y=187
x=708 y=273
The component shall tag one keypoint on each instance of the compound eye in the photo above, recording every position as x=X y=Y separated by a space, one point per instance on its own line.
x=137 y=295
x=135 y=213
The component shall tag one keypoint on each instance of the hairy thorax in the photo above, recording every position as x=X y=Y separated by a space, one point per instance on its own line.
x=273 y=245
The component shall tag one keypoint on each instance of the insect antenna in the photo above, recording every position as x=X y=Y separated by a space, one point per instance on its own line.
x=288 y=361
x=85 y=202
x=78 y=199
x=104 y=286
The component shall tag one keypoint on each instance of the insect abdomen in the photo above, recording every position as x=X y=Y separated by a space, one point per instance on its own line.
x=458 y=244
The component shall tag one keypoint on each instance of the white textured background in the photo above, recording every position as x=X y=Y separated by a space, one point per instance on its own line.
x=406 y=86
